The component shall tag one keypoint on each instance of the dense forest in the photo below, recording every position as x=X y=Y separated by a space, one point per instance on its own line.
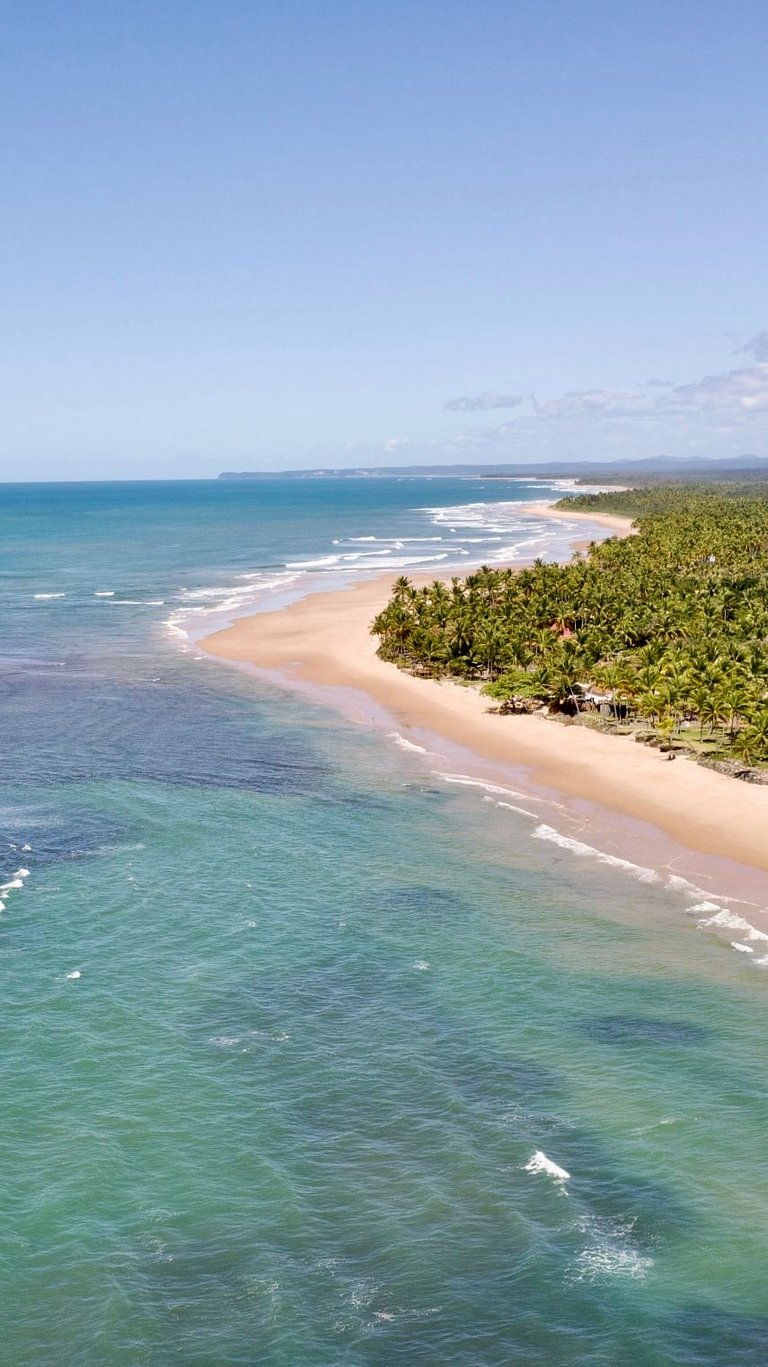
x=664 y=632
x=658 y=498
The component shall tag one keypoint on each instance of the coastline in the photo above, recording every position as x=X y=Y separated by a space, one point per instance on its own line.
x=323 y=640
x=620 y=526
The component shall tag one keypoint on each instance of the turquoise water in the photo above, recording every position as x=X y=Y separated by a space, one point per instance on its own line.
x=299 y=1039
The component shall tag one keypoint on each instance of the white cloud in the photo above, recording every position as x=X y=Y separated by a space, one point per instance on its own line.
x=737 y=391
x=600 y=402
x=482 y=402
x=757 y=346
x=718 y=415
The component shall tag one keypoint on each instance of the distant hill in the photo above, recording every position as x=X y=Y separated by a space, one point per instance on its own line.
x=674 y=467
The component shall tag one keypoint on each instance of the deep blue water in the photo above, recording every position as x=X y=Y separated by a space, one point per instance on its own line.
x=299 y=1038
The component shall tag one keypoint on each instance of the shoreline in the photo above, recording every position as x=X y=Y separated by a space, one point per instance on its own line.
x=323 y=641
x=620 y=526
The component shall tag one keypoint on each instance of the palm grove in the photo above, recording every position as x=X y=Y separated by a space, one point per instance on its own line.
x=671 y=625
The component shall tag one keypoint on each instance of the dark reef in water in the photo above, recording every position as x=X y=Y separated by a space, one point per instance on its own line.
x=38 y=835
x=627 y=1030
x=708 y=1336
x=86 y=729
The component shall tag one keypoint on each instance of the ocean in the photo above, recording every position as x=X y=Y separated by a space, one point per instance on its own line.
x=317 y=1048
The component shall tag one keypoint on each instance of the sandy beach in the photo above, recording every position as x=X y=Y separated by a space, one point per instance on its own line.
x=324 y=639
x=620 y=526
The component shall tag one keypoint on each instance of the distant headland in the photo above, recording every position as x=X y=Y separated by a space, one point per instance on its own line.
x=650 y=467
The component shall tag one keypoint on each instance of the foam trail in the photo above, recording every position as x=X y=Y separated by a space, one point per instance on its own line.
x=510 y=807
x=730 y=921
x=609 y=1253
x=406 y=744
x=578 y=847
x=678 y=884
x=540 y=1163
x=495 y=788
x=198 y=605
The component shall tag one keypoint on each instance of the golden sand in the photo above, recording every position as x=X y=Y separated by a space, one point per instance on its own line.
x=324 y=639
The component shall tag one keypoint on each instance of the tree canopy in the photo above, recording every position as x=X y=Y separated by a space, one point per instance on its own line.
x=669 y=625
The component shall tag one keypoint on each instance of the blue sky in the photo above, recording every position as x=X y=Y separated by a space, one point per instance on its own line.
x=268 y=235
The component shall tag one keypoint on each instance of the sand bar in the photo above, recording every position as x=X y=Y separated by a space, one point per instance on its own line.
x=324 y=639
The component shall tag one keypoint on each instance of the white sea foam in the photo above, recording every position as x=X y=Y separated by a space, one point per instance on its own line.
x=488 y=526
x=497 y=789
x=578 y=847
x=743 y=949
x=420 y=965
x=399 y=541
x=518 y=519
x=74 y=974
x=706 y=906
x=610 y=1251
x=345 y=558
x=400 y=1312
x=15 y=882
x=104 y=593
x=42 y=596
x=226 y=592
x=406 y=562
x=510 y=807
x=677 y=884
x=325 y=561
x=368 y=560
x=540 y=1163
x=406 y=744
x=729 y=920
x=606 y=1259
x=221 y=601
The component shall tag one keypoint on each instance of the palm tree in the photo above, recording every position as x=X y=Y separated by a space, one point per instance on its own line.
x=673 y=620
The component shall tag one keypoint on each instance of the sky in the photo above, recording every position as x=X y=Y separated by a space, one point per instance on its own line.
x=251 y=234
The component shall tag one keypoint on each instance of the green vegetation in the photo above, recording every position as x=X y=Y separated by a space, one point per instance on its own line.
x=664 y=632
x=686 y=496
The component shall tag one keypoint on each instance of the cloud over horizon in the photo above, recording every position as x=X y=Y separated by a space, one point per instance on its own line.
x=725 y=413
x=735 y=391
x=482 y=402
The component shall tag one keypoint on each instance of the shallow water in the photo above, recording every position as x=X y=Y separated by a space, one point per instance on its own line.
x=301 y=1038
